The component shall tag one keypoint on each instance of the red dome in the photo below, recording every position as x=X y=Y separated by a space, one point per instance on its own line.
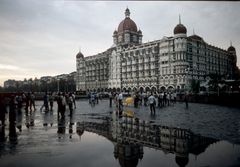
x=180 y=29
x=127 y=24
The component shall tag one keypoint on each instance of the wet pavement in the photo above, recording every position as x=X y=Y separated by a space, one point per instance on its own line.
x=202 y=135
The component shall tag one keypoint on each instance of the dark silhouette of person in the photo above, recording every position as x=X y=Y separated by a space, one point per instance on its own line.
x=186 y=98
x=12 y=120
x=110 y=99
x=27 y=102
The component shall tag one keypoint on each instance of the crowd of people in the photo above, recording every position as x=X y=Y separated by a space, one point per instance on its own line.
x=152 y=99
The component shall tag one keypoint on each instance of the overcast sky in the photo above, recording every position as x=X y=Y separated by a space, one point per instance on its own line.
x=39 y=38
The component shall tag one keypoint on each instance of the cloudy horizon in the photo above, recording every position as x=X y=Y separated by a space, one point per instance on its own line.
x=42 y=38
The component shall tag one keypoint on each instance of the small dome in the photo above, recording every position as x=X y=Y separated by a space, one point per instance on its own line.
x=231 y=49
x=195 y=37
x=115 y=32
x=180 y=29
x=79 y=55
x=139 y=31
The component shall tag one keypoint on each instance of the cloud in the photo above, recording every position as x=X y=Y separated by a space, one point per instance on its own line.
x=8 y=67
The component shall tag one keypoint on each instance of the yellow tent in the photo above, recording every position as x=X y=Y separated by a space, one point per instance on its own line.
x=128 y=101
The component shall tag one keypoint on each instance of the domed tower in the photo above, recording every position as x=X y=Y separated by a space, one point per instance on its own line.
x=80 y=66
x=127 y=32
x=180 y=30
x=232 y=51
x=233 y=59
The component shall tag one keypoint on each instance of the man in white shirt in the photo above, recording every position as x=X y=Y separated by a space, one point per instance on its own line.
x=152 y=102
x=120 y=101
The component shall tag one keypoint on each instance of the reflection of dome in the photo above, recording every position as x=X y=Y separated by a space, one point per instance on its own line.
x=231 y=49
x=133 y=162
x=180 y=29
x=127 y=23
x=181 y=161
x=79 y=55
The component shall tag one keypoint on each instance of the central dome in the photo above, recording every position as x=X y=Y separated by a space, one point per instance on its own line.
x=127 y=23
x=180 y=29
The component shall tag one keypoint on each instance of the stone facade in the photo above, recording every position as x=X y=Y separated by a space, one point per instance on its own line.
x=168 y=63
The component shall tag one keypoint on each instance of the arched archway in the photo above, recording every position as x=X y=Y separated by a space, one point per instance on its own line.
x=162 y=88
x=170 y=88
x=147 y=89
x=141 y=89
x=153 y=89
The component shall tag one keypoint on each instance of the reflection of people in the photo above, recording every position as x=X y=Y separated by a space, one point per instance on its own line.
x=80 y=129
x=19 y=121
x=70 y=129
x=61 y=128
x=30 y=119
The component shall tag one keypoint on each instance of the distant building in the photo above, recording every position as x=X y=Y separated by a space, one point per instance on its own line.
x=10 y=83
x=168 y=63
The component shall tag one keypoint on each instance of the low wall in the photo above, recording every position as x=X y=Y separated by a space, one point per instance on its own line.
x=225 y=99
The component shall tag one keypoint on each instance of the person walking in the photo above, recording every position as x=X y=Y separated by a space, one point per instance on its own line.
x=74 y=100
x=120 y=102
x=110 y=99
x=32 y=102
x=186 y=98
x=45 y=101
x=59 y=103
x=51 y=100
x=27 y=102
x=70 y=104
x=152 y=103
x=63 y=105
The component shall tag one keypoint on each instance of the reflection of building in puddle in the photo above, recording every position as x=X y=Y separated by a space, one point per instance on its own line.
x=129 y=135
x=128 y=154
